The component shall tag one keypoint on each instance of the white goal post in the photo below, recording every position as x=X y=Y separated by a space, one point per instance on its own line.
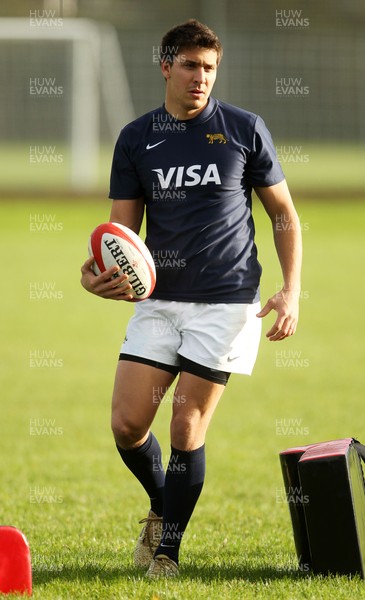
x=98 y=82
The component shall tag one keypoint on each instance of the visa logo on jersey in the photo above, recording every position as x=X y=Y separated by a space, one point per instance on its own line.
x=188 y=176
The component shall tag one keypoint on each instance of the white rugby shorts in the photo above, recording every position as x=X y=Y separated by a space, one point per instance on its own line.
x=225 y=337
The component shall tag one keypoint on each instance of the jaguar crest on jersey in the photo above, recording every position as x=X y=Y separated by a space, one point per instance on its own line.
x=219 y=137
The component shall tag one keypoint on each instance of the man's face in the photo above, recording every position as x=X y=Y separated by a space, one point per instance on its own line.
x=189 y=81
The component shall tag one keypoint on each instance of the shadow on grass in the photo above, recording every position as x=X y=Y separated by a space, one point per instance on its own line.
x=228 y=572
x=86 y=572
x=203 y=573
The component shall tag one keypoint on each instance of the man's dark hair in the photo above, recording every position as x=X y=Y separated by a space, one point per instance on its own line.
x=191 y=34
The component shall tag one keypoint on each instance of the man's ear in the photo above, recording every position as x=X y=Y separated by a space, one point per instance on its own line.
x=165 y=69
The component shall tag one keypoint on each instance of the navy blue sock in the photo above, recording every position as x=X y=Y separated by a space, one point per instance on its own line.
x=183 y=484
x=146 y=464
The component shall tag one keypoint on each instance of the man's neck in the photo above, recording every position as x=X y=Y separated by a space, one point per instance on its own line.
x=182 y=114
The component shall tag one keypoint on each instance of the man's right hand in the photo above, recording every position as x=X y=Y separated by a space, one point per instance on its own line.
x=104 y=285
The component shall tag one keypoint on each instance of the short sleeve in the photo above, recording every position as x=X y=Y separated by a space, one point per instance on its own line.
x=263 y=168
x=124 y=181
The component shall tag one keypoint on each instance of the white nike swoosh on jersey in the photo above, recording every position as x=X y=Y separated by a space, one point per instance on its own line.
x=148 y=147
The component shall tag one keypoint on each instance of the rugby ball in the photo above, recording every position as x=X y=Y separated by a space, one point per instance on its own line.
x=114 y=244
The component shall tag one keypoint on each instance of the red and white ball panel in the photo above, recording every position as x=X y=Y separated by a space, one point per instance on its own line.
x=114 y=244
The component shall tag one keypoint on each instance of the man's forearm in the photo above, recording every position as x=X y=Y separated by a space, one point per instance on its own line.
x=288 y=244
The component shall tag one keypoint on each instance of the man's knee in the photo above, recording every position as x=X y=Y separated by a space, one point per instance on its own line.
x=127 y=434
x=186 y=429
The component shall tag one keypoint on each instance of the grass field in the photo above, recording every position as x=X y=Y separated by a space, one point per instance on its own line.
x=62 y=482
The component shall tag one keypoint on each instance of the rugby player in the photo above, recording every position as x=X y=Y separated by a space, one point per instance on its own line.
x=191 y=165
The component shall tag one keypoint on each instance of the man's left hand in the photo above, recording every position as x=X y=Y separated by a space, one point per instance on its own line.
x=286 y=304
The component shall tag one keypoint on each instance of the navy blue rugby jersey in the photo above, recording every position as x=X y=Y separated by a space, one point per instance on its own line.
x=196 y=177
